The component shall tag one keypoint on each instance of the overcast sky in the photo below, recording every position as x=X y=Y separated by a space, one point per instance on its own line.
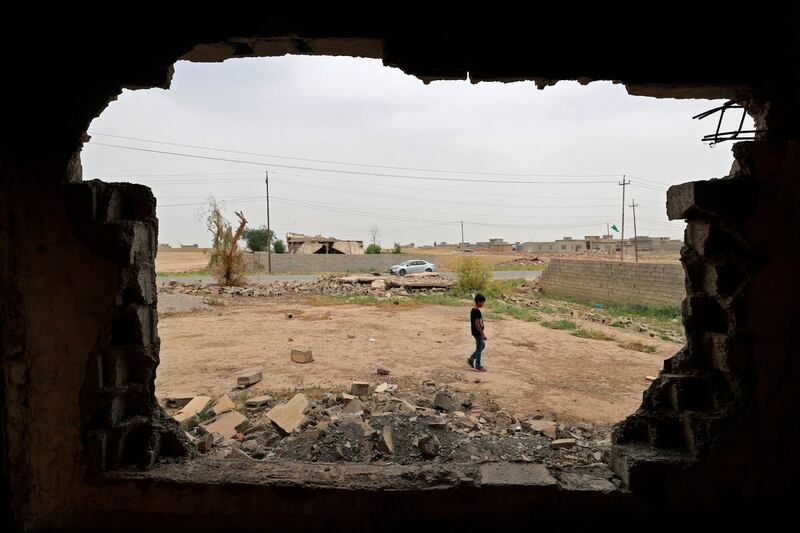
x=578 y=140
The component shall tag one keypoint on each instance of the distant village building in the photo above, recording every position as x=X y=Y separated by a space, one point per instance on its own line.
x=190 y=246
x=603 y=243
x=300 y=244
x=496 y=245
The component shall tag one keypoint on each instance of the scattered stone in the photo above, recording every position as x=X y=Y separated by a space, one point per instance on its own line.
x=248 y=378
x=193 y=408
x=359 y=388
x=437 y=422
x=353 y=406
x=351 y=336
x=428 y=445
x=302 y=356
x=290 y=415
x=345 y=397
x=598 y=456
x=383 y=387
x=254 y=449
x=205 y=442
x=443 y=401
x=385 y=441
x=650 y=378
x=382 y=370
x=371 y=339
x=378 y=284
x=178 y=401
x=223 y=405
x=545 y=427
x=407 y=407
x=563 y=444
x=227 y=424
x=258 y=402
x=268 y=438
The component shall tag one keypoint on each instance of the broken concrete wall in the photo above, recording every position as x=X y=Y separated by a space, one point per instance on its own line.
x=59 y=290
x=724 y=411
x=349 y=247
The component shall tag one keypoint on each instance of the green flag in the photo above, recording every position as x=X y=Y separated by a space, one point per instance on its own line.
x=614 y=227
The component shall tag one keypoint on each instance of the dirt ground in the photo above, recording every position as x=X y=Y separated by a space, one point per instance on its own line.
x=532 y=369
x=170 y=261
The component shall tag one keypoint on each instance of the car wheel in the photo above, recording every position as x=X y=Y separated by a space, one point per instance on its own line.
x=428 y=270
x=402 y=271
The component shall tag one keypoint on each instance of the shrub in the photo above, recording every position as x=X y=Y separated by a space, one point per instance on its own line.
x=473 y=273
x=397 y=248
x=373 y=249
x=278 y=247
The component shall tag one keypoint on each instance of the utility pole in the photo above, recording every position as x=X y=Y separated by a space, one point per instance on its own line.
x=462 y=232
x=608 y=230
x=623 y=183
x=269 y=230
x=635 y=236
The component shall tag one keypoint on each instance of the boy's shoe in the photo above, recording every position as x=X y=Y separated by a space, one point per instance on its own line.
x=480 y=369
x=470 y=363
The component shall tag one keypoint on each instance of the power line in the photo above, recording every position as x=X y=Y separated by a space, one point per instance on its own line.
x=395 y=176
x=388 y=167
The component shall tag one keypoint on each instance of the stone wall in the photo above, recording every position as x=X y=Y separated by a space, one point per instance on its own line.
x=651 y=284
x=335 y=262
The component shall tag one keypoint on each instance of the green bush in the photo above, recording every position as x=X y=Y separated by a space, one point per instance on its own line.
x=279 y=247
x=374 y=249
x=473 y=273
x=397 y=248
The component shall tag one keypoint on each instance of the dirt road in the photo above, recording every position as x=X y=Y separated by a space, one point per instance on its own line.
x=532 y=369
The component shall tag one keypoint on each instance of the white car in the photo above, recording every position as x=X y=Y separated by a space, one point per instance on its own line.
x=412 y=266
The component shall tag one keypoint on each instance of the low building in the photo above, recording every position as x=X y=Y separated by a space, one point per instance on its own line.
x=300 y=244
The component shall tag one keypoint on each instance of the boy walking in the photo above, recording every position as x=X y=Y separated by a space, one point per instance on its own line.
x=477 y=326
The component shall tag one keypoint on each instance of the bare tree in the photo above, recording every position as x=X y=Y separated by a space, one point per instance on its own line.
x=374 y=232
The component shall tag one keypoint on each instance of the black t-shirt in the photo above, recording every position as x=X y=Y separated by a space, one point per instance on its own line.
x=475 y=313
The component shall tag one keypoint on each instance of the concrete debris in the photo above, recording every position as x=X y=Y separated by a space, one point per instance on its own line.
x=563 y=443
x=223 y=404
x=258 y=402
x=385 y=441
x=178 y=401
x=548 y=428
x=302 y=356
x=227 y=424
x=444 y=401
x=353 y=406
x=289 y=416
x=650 y=378
x=248 y=378
x=437 y=422
x=359 y=388
x=193 y=408
x=429 y=446
x=383 y=370
x=205 y=442
x=378 y=284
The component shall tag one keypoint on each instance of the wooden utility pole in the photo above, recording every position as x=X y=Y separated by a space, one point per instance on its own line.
x=623 y=183
x=269 y=230
x=635 y=236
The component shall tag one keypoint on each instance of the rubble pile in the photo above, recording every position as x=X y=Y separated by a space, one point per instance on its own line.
x=522 y=262
x=377 y=285
x=426 y=424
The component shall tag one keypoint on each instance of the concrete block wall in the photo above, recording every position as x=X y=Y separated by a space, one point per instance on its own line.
x=651 y=284
x=335 y=262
